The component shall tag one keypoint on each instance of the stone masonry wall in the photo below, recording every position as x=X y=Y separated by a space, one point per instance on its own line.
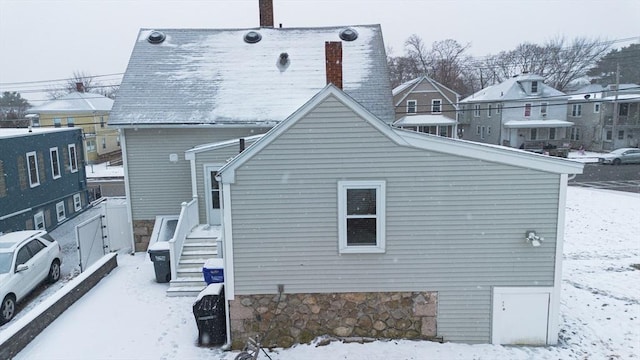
x=300 y=318
x=142 y=230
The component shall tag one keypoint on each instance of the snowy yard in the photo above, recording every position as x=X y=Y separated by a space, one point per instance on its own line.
x=128 y=316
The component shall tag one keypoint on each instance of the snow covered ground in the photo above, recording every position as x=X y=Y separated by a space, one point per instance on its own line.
x=128 y=316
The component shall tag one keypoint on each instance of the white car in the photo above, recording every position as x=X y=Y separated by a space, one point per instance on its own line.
x=621 y=156
x=27 y=258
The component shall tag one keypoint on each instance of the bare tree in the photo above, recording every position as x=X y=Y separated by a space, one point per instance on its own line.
x=83 y=82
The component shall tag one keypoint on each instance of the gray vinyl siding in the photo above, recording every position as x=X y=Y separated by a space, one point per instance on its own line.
x=158 y=186
x=453 y=225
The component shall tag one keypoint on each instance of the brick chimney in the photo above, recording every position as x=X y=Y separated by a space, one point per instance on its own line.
x=266 y=13
x=79 y=87
x=333 y=61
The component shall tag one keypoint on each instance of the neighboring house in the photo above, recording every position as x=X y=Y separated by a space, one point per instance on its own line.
x=88 y=111
x=518 y=110
x=426 y=106
x=44 y=181
x=605 y=119
x=186 y=87
x=348 y=218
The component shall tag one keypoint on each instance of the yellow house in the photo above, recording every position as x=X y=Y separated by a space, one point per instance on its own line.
x=88 y=111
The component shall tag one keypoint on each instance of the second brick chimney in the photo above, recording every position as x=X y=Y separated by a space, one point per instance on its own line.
x=333 y=59
x=266 y=13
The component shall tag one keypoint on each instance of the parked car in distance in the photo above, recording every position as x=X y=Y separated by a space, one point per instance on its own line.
x=27 y=258
x=621 y=156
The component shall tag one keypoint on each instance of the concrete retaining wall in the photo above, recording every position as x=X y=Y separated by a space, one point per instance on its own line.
x=17 y=336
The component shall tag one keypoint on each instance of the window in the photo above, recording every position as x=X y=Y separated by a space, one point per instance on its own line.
x=73 y=159
x=543 y=108
x=552 y=133
x=489 y=109
x=498 y=108
x=412 y=106
x=482 y=131
x=596 y=107
x=55 y=162
x=575 y=134
x=436 y=106
x=476 y=110
x=101 y=121
x=104 y=142
x=77 y=202
x=57 y=122
x=91 y=146
x=60 y=213
x=35 y=121
x=478 y=130
x=527 y=109
x=608 y=135
x=488 y=130
x=118 y=140
x=621 y=135
x=533 y=134
x=70 y=122
x=32 y=163
x=576 y=110
x=38 y=220
x=361 y=216
x=623 y=110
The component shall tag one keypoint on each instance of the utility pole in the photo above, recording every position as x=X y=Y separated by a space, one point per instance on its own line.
x=615 y=109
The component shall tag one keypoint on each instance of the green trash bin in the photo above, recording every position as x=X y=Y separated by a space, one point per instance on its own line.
x=162 y=264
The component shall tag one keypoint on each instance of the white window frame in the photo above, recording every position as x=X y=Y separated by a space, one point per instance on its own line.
x=55 y=162
x=478 y=130
x=527 y=109
x=552 y=134
x=380 y=216
x=436 y=106
x=533 y=134
x=534 y=89
x=38 y=221
x=576 y=110
x=476 y=110
x=33 y=182
x=482 y=132
x=77 y=202
x=544 y=108
x=412 y=104
x=498 y=108
x=61 y=213
x=489 y=109
x=596 y=108
x=73 y=158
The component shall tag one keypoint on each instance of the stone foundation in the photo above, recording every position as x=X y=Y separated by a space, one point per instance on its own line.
x=142 y=230
x=300 y=318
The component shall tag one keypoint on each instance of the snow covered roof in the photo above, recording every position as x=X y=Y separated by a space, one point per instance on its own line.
x=424 y=120
x=400 y=88
x=521 y=124
x=512 y=89
x=624 y=98
x=6 y=133
x=75 y=102
x=213 y=76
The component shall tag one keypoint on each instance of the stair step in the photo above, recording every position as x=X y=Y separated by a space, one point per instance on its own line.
x=187 y=281
x=191 y=291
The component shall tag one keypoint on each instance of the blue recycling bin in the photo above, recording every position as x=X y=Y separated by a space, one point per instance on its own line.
x=213 y=271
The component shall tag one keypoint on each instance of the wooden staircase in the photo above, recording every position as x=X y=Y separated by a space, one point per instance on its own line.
x=200 y=245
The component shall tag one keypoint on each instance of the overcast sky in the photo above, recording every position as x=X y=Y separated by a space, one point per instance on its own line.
x=50 y=39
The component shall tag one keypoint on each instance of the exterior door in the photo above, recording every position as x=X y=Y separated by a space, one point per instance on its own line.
x=520 y=316
x=213 y=195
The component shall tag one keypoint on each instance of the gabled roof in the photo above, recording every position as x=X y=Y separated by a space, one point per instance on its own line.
x=75 y=102
x=412 y=84
x=212 y=76
x=486 y=152
x=511 y=90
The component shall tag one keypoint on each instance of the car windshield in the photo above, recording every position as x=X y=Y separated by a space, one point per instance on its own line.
x=5 y=262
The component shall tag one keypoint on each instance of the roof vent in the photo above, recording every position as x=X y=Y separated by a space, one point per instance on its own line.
x=284 y=58
x=252 y=37
x=156 y=37
x=348 y=34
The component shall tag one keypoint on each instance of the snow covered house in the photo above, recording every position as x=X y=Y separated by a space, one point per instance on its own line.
x=349 y=227
x=425 y=105
x=518 y=110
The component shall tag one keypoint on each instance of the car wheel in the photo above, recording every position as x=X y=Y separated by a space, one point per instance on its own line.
x=8 y=309
x=54 y=272
x=616 y=161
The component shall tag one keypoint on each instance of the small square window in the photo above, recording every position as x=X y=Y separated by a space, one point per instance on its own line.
x=361 y=216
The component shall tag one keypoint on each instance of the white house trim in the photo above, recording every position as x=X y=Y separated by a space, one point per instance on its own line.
x=554 y=301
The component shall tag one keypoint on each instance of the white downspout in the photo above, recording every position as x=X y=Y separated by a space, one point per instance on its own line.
x=127 y=188
x=553 y=327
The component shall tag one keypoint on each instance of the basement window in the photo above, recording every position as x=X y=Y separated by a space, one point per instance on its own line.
x=361 y=216
x=252 y=37
x=348 y=34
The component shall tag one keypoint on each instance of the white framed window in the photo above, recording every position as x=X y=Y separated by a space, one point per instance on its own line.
x=552 y=133
x=412 y=106
x=71 y=122
x=574 y=134
x=576 y=110
x=118 y=140
x=489 y=110
x=482 y=132
x=478 y=130
x=436 y=106
x=534 y=87
x=55 y=162
x=498 y=108
x=73 y=158
x=608 y=135
x=91 y=146
x=32 y=166
x=476 y=110
x=527 y=109
x=361 y=216
x=60 y=212
x=596 y=108
x=57 y=122
x=623 y=109
x=38 y=221
x=543 y=108
x=77 y=202
x=104 y=142
x=620 y=134
x=533 y=134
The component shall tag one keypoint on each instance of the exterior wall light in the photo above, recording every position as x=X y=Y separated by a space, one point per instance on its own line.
x=532 y=238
